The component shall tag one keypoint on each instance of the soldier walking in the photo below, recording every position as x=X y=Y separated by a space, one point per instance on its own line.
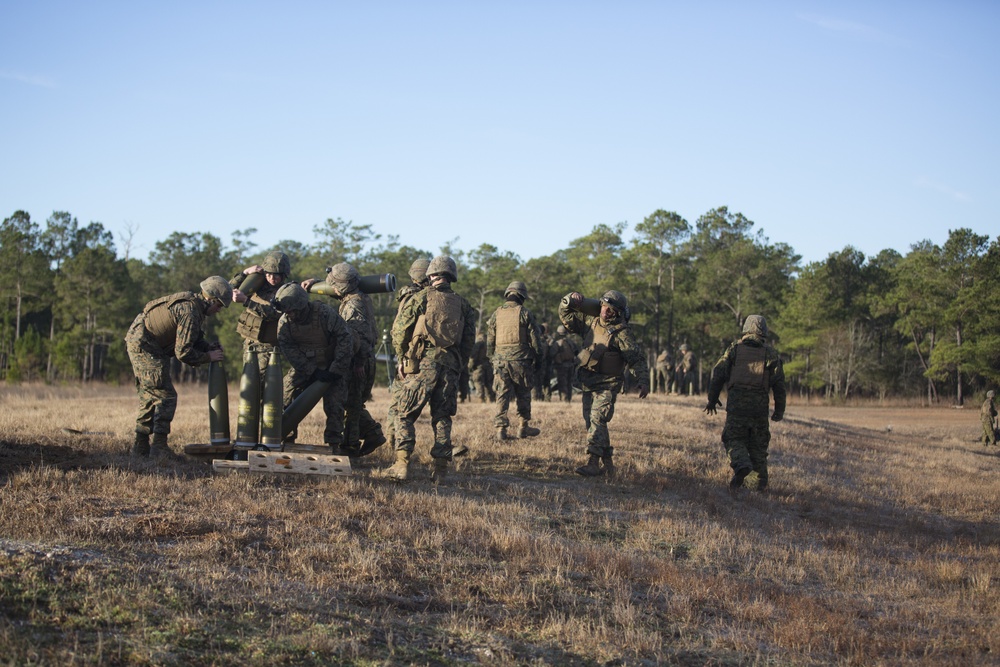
x=167 y=327
x=986 y=415
x=750 y=370
x=513 y=343
x=565 y=350
x=609 y=348
x=433 y=334
x=318 y=346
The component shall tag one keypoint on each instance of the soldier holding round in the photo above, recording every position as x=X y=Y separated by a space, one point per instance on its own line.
x=418 y=281
x=564 y=352
x=609 y=348
x=318 y=346
x=167 y=327
x=986 y=415
x=481 y=370
x=750 y=370
x=514 y=344
x=258 y=323
x=433 y=334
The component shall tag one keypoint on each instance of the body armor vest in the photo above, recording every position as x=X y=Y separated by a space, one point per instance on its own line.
x=311 y=338
x=564 y=351
x=509 y=329
x=360 y=302
x=749 y=368
x=442 y=323
x=160 y=322
x=253 y=326
x=597 y=354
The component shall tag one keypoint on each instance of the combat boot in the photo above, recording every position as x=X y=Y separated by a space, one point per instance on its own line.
x=440 y=471
x=399 y=470
x=160 y=449
x=593 y=467
x=738 y=476
x=609 y=466
x=502 y=433
x=461 y=450
x=527 y=431
x=141 y=445
x=371 y=442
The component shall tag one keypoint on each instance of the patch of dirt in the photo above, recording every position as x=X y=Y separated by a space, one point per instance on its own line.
x=16 y=456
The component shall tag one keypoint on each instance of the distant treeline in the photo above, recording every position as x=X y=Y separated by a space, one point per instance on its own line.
x=925 y=324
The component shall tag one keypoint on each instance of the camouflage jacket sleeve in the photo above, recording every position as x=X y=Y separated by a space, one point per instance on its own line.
x=777 y=373
x=291 y=352
x=574 y=320
x=471 y=315
x=633 y=354
x=361 y=325
x=406 y=318
x=491 y=335
x=190 y=346
x=343 y=350
x=534 y=335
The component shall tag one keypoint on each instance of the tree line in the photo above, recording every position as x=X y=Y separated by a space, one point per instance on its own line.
x=925 y=325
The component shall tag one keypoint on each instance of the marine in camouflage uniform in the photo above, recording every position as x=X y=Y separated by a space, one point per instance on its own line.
x=609 y=348
x=564 y=349
x=418 y=281
x=543 y=367
x=750 y=370
x=318 y=346
x=514 y=345
x=167 y=327
x=663 y=377
x=686 y=371
x=481 y=370
x=433 y=333
x=986 y=415
x=258 y=323
x=358 y=311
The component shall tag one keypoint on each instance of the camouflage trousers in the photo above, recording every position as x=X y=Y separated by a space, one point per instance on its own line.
x=434 y=384
x=333 y=406
x=746 y=440
x=564 y=379
x=482 y=380
x=157 y=396
x=512 y=379
x=358 y=422
x=598 y=410
x=989 y=433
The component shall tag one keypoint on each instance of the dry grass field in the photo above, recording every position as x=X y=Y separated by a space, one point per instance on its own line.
x=878 y=544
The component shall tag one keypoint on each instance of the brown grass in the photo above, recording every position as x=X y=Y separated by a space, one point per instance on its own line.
x=875 y=546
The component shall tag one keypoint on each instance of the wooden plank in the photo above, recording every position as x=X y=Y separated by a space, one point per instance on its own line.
x=306 y=449
x=229 y=467
x=207 y=449
x=296 y=463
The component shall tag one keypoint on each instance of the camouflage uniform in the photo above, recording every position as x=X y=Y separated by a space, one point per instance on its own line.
x=515 y=355
x=167 y=327
x=601 y=371
x=314 y=341
x=565 y=350
x=664 y=376
x=986 y=415
x=543 y=367
x=481 y=370
x=258 y=323
x=750 y=369
x=358 y=312
x=403 y=294
x=686 y=374
x=432 y=372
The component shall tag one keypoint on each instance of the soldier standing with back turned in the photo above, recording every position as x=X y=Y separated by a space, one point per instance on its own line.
x=433 y=335
x=167 y=327
x=750 y=370
x=513 y=342
x=418 y=281
x=986 y=415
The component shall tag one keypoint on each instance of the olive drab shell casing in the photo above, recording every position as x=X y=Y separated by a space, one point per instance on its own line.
x=590 y=307
x=218 y=404
x=377 y=284
x=252 y=283
x=302 y=405
x=271 y=410
x=248 y=420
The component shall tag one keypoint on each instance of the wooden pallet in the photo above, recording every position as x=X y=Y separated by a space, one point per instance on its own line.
x=287 y=463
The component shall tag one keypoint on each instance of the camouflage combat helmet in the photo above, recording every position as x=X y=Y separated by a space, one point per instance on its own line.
x=616 y=300
x=343 y=277
x=418 y=270
x=684 y=347
x=516 y=287
x=443 y=265
x=990 y=394
x=756 y=325
x=217 y=288
x=290 y=297
x=561 y=330
x=276 y=262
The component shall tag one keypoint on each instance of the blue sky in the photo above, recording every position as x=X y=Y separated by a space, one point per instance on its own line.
x=519 y=124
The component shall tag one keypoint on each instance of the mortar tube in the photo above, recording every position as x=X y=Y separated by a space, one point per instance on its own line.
x=218 y=405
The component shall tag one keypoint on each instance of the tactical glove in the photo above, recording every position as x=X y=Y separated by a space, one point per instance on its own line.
x=325 y=376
